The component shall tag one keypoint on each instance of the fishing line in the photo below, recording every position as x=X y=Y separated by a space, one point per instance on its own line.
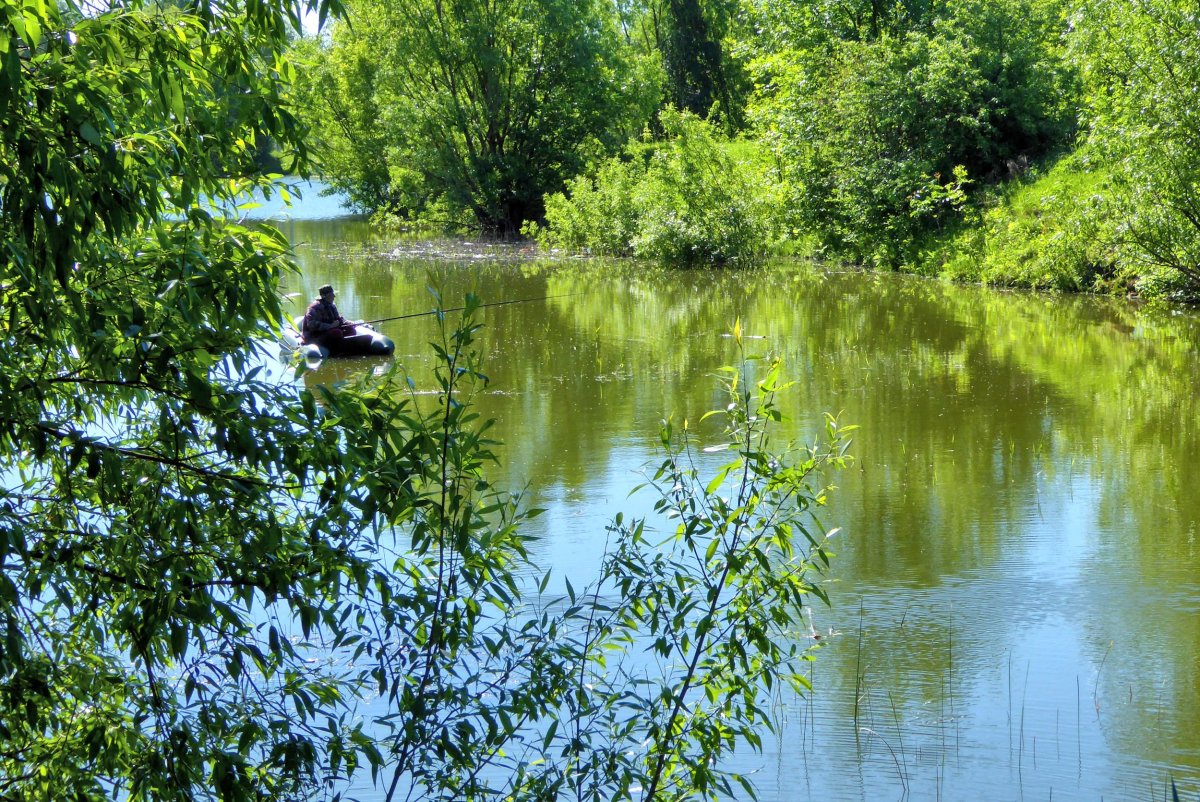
x=460 y=308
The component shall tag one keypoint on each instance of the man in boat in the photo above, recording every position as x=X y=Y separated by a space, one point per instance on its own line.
x=323 y=324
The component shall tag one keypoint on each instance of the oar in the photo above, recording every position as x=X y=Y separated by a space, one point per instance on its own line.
x=460 y=308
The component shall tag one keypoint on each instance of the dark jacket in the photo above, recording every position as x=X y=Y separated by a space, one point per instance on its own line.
x=321 y=317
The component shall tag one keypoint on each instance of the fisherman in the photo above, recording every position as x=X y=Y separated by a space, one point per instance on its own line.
x=322 y=322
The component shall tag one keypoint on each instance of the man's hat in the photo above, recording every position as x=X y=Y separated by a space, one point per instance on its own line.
x=326 y=289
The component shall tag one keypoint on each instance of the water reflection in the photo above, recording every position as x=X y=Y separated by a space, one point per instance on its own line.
x=330 y=373
x=1019 y=530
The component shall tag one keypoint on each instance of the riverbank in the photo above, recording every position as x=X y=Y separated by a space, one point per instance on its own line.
x=1048 y=229
x=1059 y=228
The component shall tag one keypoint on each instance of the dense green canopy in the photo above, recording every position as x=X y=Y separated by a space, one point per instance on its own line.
x=896 y=134
x=152 y=486
x=467 y=107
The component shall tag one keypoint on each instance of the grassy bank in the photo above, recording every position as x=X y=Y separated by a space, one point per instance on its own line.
x=1057 y=228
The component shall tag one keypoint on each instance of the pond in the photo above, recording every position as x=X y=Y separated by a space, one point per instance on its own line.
x=1016 y=587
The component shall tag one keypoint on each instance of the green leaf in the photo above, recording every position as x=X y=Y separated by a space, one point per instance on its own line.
x=33 y=29
x=89 y=133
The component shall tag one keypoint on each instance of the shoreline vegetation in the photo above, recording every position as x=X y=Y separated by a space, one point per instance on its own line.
x=1050 y=228
x=1047 y=144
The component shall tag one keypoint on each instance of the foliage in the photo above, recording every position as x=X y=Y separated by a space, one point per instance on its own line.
x=340 y=82
x=817 y=25
x=871 y=130
x=722 y=597
x=1119 y=213
x=1140 y=65
x=480 y=106
x=702 y=69
x=692 y=198
x=208 y=573
x=1054 y=230
x=154 y=491
x=498 y=690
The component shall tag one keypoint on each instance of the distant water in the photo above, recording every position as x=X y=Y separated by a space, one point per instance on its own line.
x=294 y=199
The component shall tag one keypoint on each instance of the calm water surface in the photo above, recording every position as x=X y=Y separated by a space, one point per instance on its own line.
x=1016 y=587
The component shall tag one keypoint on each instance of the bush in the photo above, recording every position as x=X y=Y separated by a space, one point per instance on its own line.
x=1141 y=65
x=597 y=214
x=494 y=687
x=1050 y=232
x=871 y=131
x=692 y=198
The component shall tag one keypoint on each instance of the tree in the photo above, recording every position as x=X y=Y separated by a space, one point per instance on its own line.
x=206 y=573
x=154 y=492
x=871 y=122
x=700 y=70
x=472 y=105
x=698 y=43
x=1139 y=62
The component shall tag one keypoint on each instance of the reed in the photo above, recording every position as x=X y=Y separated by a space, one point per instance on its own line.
x=899 y=735
x=950 y=692
x=811 y=713
x=899 y=770
x=858 y=677
x=1021 y=744
x=1096 y=689
x=1078 y=733
x=1010 y=703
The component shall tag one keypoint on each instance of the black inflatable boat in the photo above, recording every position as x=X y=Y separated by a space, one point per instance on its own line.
x=365 y=341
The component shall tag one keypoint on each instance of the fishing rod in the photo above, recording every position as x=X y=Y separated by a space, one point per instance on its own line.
x=460 y=308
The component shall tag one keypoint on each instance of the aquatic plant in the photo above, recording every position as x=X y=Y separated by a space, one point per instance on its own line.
x=638 y=682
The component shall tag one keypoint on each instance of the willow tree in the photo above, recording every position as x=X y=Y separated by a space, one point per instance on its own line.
x=471 y=106
x=145 y=474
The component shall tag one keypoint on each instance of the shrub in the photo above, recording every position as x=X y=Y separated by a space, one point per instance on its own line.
x=693 y=197
x=597 y=214
x=868 y=128
x=1052 y=231
x=1141 y=65
x=492 y=686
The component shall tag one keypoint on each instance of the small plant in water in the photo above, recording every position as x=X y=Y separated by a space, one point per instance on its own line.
x=719 y=602
x=489 y=686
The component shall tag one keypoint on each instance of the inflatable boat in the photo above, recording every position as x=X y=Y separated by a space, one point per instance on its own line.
x=365 y=341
